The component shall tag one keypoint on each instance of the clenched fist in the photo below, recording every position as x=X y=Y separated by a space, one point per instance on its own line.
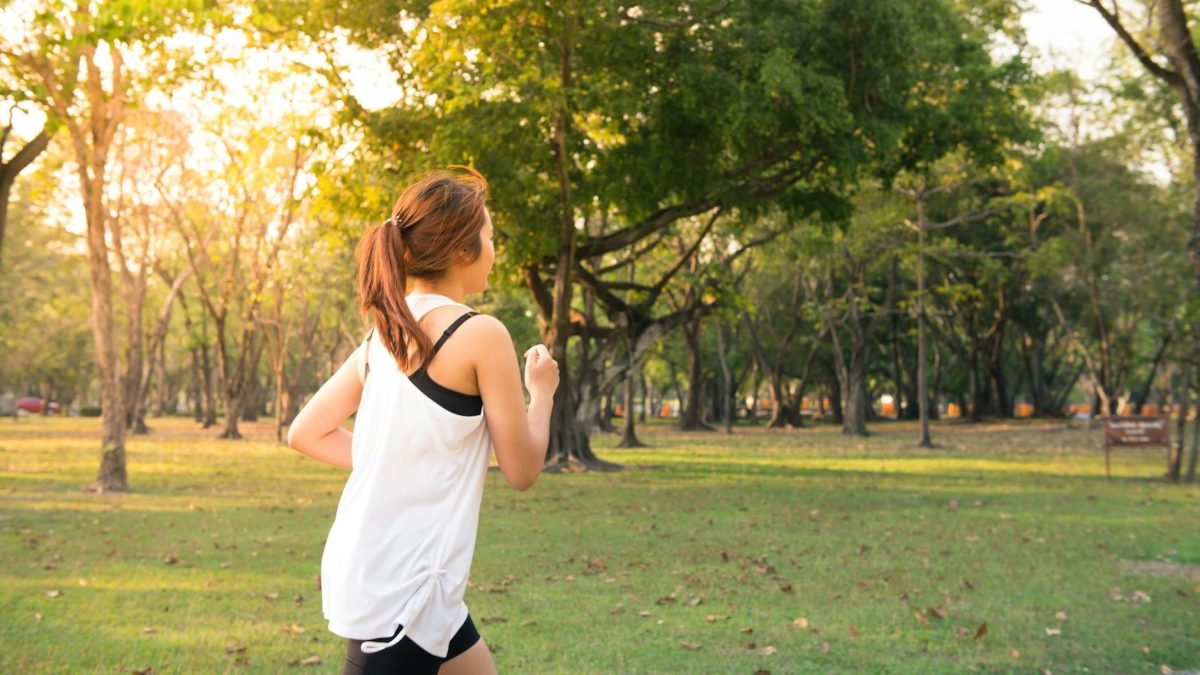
x=541 y=372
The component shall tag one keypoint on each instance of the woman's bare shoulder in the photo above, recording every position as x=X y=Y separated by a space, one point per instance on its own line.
x=487 y=331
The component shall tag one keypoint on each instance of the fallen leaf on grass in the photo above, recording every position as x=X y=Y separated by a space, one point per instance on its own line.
x=53 y=594
x=690 y=646
x=149 y=629
x=1053 y=631
x=1061 y=616
x=694 y=601
x=1016 y=654
x=271 y=596
x=1146 y=649
x=311 y=661
x=37 y=616
x=853 y=630
x=921 y=617
x=981 y=632
x=938 y=612
x=142 y=671
x=714 y=617
x=824 y=646
x=527 y=623
x=171 y=559
x=235 y=648
x=644 y=612
x=1116 y=595
x=293 y=629
x=768 y=651
x=800 y=623
x=747 y=631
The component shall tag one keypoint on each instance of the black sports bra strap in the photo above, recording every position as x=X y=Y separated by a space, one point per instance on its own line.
x=446 y=336
x=367 y=354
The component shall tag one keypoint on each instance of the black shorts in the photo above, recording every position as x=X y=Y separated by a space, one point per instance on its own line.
x=405 y=656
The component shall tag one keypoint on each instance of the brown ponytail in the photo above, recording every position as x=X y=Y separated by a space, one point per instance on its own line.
x=434 y=221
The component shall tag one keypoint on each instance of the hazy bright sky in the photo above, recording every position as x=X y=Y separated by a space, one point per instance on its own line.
x=1069 y=33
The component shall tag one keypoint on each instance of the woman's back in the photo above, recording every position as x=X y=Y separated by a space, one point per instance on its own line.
x=435 y=392
x=400 y=548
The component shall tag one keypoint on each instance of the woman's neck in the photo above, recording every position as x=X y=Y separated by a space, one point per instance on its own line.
x=446 y=287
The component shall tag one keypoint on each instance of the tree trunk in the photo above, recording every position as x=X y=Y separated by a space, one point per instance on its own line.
x=1191 y=472
x=1177 y=43
x=978 y=392
x=935 y=391
x=253 y=397
x=756 y=379
x=922 y=375
x=9 y=171
x=647 y=399
x=727 y=379
x=197 y=397
x=1139 y=399
x=836 y=412
x=1175 y=460
x=779 y=418
x=233 y=411
x=854 y=419
x=210 y=389
x=629 y=437
x=897 y=374
x=690 y=419
x=604 y=419
x=112 y=475
x=166 y=383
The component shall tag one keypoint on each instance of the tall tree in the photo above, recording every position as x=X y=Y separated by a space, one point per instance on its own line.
x=1171 y=39
x=651 y=114
x=70 y=61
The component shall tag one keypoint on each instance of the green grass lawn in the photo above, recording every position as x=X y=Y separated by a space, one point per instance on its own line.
x=788 y=552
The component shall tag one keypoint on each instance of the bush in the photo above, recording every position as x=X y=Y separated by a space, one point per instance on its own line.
x=89 y=411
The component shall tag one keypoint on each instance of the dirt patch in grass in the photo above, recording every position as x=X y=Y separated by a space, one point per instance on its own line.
x=1160 y=568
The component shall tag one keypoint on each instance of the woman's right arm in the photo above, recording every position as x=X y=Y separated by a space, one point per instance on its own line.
x=519 y=435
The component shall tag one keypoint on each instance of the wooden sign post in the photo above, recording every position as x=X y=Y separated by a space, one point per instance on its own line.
x=1122 y=431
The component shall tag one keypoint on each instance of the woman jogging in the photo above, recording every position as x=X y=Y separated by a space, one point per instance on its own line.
x=436 y=388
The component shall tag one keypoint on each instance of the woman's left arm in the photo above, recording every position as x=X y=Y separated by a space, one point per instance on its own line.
x=317 y=430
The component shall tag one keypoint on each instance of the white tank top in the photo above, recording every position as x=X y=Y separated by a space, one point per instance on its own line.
x=400 y=548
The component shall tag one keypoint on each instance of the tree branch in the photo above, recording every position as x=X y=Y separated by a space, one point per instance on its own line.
x=1169 y=76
